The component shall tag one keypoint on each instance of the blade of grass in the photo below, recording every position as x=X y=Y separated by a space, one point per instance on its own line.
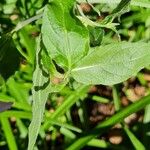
x=147 y=114
x=65 y=125
x=8 y=133
x=98 y=143
x=136 y=143
x=67 y=133
x=105 y=145
x=116 y=98
x=99 y=129
x=141 y=79
x=14 y=87
x=22 y=128
x=146 y=129
x=100 y=99
x=83 y=115
x=17 y=114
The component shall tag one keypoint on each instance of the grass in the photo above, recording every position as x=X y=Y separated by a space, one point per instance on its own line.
x=76 y=116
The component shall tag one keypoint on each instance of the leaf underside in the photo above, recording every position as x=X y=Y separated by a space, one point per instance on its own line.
x=112 y=63
x=40 y=91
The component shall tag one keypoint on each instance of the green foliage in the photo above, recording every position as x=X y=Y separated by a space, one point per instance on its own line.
x=76 y=47
x=137 y=144
x=118 y=117
x=113 y=63
x=40 y=91
x=96 y=36
x=121 y=6
x=8 y=133
x=141 y=3
x=65 y=39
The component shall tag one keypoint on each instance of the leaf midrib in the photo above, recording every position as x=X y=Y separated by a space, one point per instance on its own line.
x=103 y=64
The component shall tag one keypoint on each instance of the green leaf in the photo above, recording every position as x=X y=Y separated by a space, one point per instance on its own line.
x=8 y=53
x=136 y=143
x=141 y=3
x=64 y=37
x=113 y=63
x=96 y=36
x=40 y=91
x=121 y=5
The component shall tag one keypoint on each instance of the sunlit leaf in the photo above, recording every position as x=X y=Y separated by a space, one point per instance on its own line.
x=113 y=63
x=40 y=91
x=65 y=38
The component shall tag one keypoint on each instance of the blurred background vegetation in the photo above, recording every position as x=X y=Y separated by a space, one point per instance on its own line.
x=91 y=105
